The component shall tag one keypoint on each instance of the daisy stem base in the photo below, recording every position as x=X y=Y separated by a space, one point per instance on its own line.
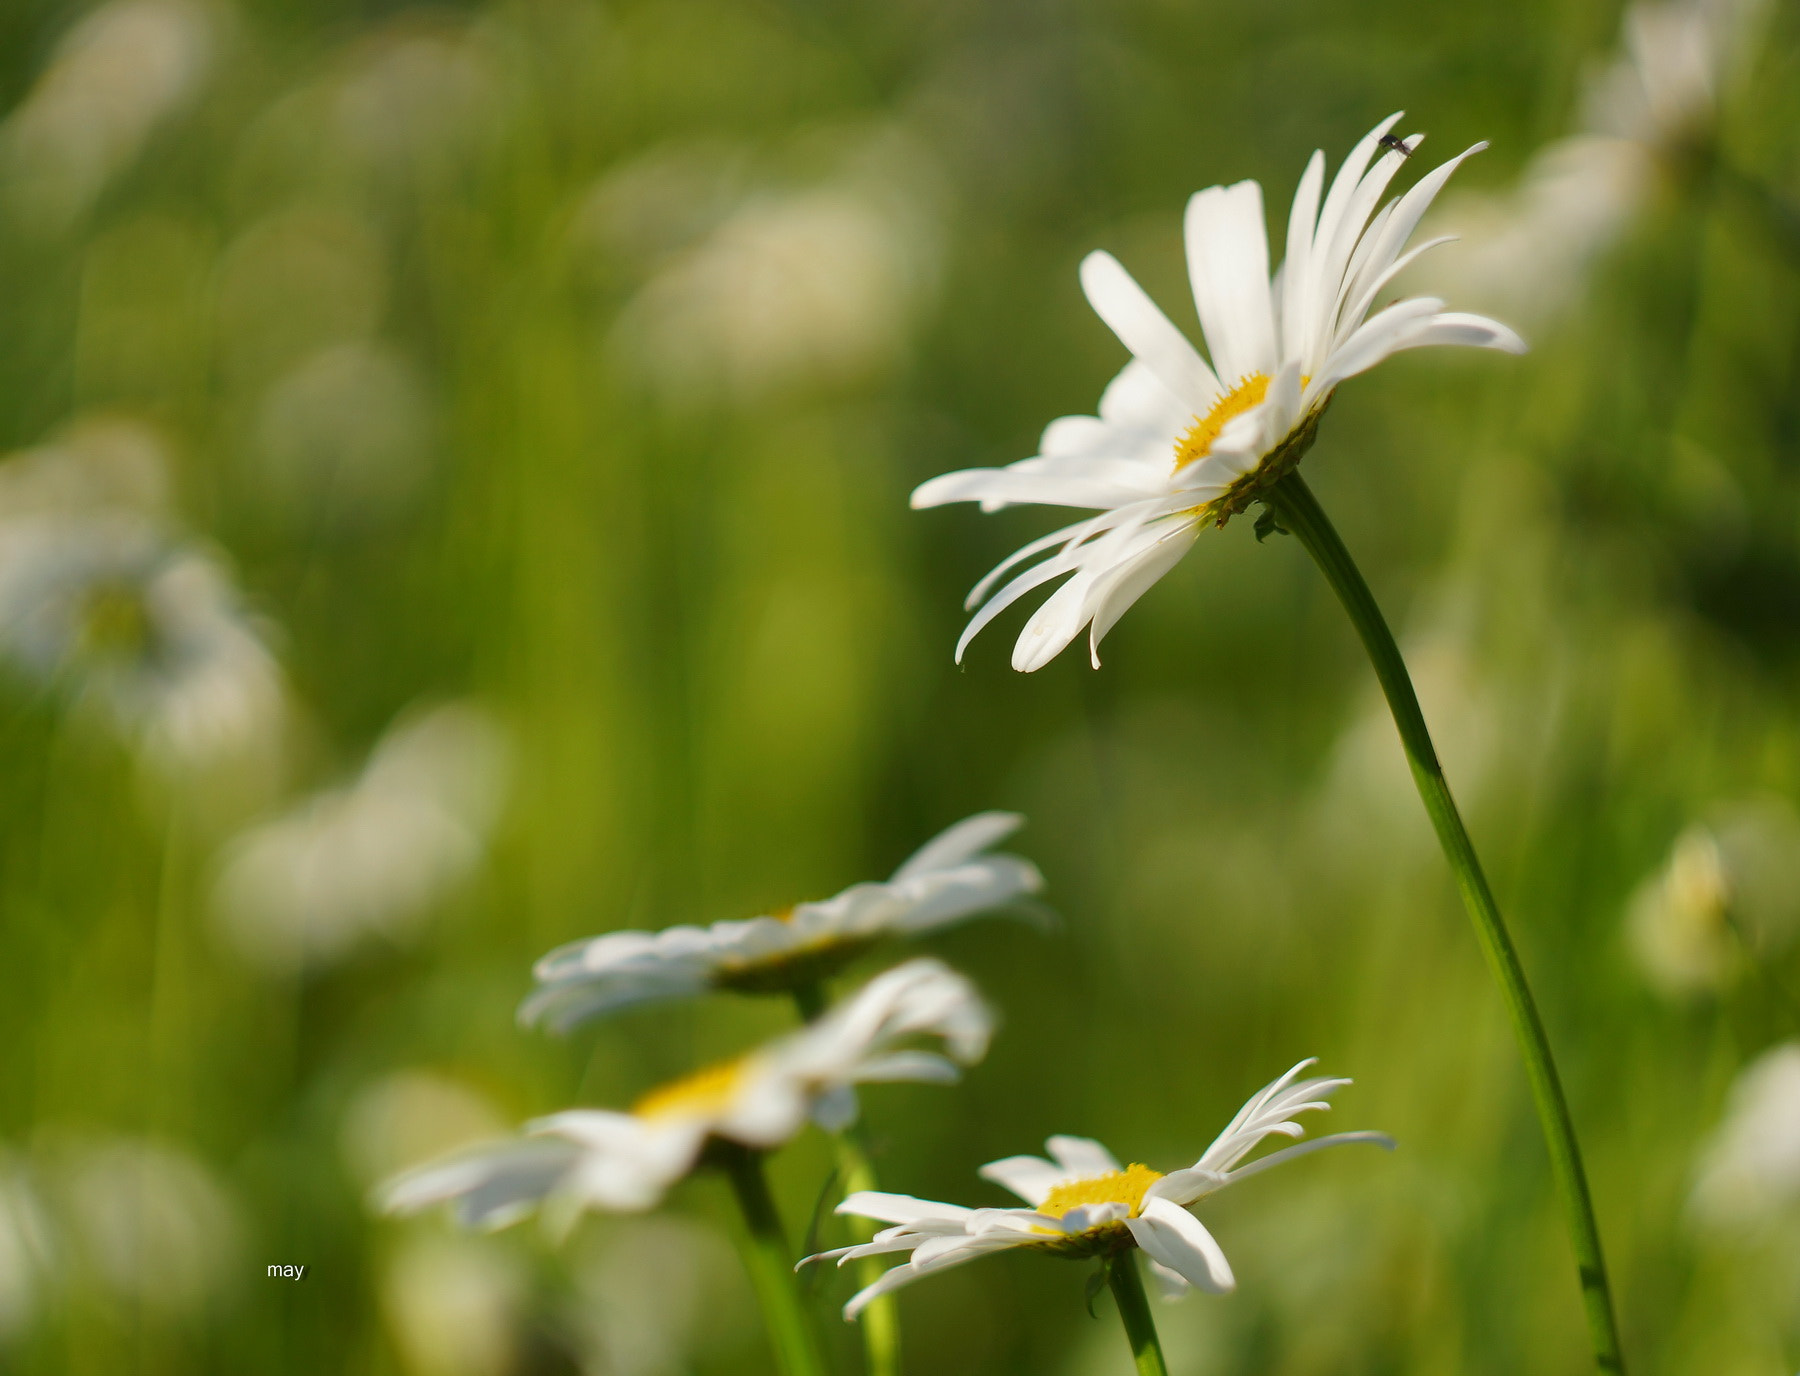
x=880 y=1321
x=771 y=1265
x=1298 y=511
x=1134 y=1312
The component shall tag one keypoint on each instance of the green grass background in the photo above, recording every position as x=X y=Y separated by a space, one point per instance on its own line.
x=721 y=647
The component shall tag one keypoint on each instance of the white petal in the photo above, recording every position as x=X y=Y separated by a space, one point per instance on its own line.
x=1275 y=1158
x=1185 y=1186
x=1456 y=327
x=1298 y=252
x=1054 y=624
x=1082 y=1156
x=1147 y=332
x=1173 y=1236
x=1114 y=594
x=1170 y=1285
x=958 y=843
x=1228 y=265
x=1381 y=336
x=899 y=1208
x=1029 y=1177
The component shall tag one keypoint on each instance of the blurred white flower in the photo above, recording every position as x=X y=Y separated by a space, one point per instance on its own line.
x=344 y=435
x=948 y=879
x=415 y=98
x=412 y=1116
x=101 y=601
x=149 y=1222
x=797 y=286
x=1679 y=920
x=1651 y=105
x=27 y=1252
x=625 y=1162
x=1083 y=1203
x=453 y=1305
x=1181 y=445
x=150 y=631
x=1749 y=1169
x=367 y=860
x=1729 y=891
x=118 y=75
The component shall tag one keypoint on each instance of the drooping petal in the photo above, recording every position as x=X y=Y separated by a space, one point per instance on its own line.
x=1173 y=1236
x=1114 y=594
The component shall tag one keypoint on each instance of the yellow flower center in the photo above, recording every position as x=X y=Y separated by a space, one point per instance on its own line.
x=700 y=1095
x=1115 y=1187
x=1199 y=440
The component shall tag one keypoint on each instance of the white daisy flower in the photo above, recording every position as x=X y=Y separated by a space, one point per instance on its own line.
x=1182 y=444
x=1085 y=1204
x=625 y=1162
x=151 y=630
x=950 y=877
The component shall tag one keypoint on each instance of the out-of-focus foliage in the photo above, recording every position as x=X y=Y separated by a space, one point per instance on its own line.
x=457 y=504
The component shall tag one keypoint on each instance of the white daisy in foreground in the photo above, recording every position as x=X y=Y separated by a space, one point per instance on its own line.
x=624 y=1162
x=949 y=878
x=1182 y=444
x=1085 y=1204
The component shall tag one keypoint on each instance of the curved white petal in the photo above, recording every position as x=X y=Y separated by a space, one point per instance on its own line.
x=1173 y=1236
x=958 y=843
x=1114 y=594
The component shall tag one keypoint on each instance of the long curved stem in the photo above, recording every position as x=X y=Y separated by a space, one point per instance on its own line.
x=1134 y=1312
x=1299 y=512
x=880 y=1322
x=770 y=1264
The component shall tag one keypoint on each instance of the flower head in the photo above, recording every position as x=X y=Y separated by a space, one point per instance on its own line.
x=1182 y=443
x=625 y=1161
x=948 y=879
x=1083 y=1203
x=150 y=630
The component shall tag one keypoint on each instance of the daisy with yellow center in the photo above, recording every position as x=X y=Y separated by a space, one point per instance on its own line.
x=1183 y=442
x=626 y=1161
x=1083 y=1203
x=952 y=877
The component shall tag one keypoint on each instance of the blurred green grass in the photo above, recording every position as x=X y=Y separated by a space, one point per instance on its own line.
x=449 y=324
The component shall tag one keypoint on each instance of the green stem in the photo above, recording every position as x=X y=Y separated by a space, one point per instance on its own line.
x=1134 y=1312
x=1299 y=512
x=880 y=1321
x=770 y=1264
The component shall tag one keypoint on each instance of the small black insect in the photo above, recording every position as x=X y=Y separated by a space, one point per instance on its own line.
x=1396 y=143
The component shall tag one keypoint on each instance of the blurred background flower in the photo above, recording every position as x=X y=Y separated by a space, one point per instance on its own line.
x=369 y=859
